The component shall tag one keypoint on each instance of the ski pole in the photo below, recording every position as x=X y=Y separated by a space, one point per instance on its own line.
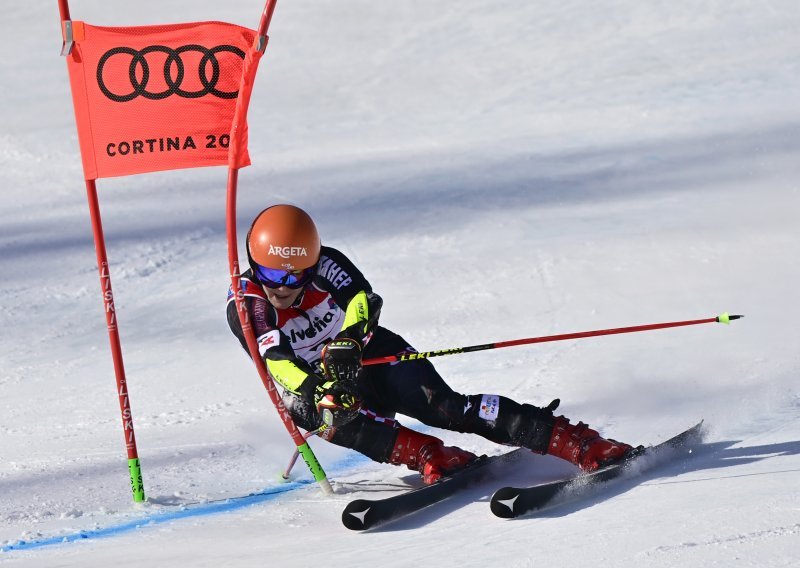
x=288 y=471
x=722 y=318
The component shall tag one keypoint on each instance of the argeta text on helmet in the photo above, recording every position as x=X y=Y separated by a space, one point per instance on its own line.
x=287 y=252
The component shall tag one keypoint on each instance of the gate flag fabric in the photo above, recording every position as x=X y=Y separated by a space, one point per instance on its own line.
x=152 y=98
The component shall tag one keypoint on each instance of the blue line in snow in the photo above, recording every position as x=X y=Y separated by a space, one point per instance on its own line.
x=188 y=511
x=194 y=510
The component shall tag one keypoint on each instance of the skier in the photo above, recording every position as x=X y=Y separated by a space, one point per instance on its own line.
x=315 y=317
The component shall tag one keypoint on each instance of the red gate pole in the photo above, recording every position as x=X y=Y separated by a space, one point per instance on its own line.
x=233 y=261
x=63 y=9
x=299 y=440
x=134 y=468
x=137 y=486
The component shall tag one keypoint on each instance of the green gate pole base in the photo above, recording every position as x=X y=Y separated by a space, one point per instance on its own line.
x=315 y=468
x=137 y=485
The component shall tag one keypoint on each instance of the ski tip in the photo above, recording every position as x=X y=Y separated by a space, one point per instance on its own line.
x=727 y=318
x=354 y=516
x=502 y=502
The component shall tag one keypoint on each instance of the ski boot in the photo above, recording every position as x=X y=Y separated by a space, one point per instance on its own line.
x=582 y=446
x=427 y=455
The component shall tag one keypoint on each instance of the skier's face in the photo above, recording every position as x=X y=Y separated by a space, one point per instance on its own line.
x=282 y=297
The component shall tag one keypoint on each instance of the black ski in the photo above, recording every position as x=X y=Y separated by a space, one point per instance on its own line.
x=511 y=502
x=363 y=514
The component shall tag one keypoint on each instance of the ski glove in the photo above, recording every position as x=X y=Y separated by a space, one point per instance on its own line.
x=337 y=397
x=341 y=360
x=337 y=402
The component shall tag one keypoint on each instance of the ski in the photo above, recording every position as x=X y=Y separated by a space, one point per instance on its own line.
x=512 y=502
x=364 y=514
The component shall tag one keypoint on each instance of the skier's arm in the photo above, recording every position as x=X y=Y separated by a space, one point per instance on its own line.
x=294 y=375
x=291 y=372
x=361 y=316
x=340 y=277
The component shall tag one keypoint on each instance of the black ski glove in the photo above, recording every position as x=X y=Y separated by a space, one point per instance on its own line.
x=337 y=398
x=341 y=360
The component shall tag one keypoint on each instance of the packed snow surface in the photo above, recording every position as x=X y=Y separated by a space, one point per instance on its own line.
x=498 y=170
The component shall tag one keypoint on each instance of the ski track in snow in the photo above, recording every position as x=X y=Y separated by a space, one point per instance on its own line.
x=743 y=539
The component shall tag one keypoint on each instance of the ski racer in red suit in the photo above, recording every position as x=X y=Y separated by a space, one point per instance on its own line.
x=315 y=317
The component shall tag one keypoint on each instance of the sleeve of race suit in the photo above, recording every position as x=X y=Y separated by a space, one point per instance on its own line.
x=291 y=372
x=350 y=290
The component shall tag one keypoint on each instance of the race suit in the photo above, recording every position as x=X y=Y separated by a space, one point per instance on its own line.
x=339 y=302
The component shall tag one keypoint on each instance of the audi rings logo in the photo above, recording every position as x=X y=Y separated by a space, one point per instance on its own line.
x=174 y=72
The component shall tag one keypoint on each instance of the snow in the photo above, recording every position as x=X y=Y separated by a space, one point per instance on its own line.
x=498 y=171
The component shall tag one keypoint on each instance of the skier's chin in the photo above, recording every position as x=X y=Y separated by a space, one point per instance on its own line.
x=282 y=297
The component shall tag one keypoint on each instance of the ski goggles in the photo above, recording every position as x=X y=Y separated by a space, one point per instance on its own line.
x=276 y=277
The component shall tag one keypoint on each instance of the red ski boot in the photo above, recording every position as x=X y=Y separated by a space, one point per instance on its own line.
x=583 y=446
x=427 y=455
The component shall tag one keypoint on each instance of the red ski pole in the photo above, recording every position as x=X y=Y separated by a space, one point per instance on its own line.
x=723 y=318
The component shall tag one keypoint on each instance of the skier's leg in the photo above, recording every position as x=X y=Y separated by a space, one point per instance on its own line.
x=505 y=421
x=384 y=440
x=426 y=397
x=417 y=390
x=583 y=446
x=368 y=434
x=427 y=455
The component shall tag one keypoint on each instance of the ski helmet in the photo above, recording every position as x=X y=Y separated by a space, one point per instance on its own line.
x=283 y=237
